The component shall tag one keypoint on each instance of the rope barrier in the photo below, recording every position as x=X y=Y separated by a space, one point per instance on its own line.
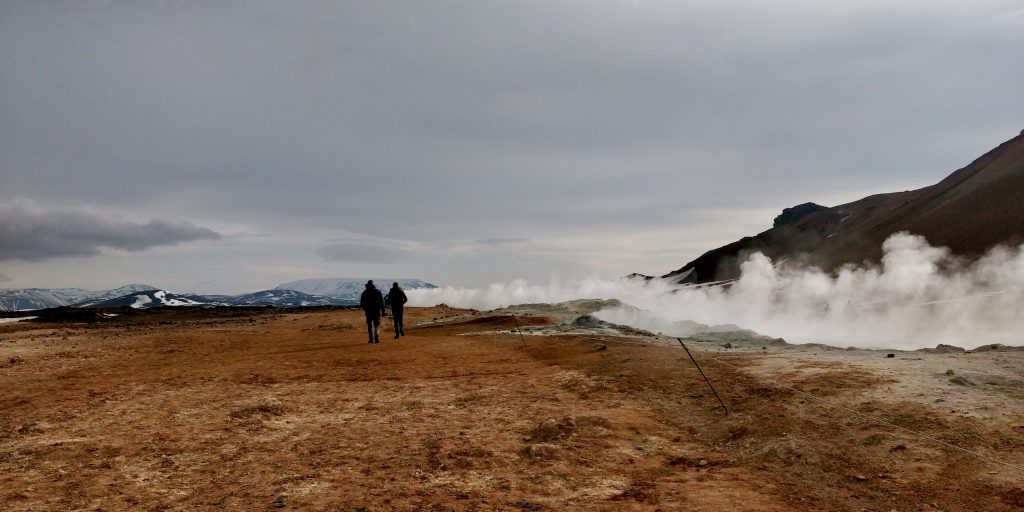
x=873 y=418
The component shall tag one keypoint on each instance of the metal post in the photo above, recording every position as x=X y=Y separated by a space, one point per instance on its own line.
x=705 y=376
x=520 y=331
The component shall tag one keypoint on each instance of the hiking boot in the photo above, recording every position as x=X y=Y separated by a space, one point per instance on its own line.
x=376 y=339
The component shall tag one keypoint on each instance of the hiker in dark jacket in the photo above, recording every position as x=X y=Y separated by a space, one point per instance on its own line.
x=396 y=299
x=372 y=303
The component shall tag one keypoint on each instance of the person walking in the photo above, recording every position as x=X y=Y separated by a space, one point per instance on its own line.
x=396 y=299
x=372 y=303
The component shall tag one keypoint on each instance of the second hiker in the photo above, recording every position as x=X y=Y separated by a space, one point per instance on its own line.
x=396 y=299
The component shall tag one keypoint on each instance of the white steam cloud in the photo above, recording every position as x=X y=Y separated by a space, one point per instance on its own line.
x=918 y=297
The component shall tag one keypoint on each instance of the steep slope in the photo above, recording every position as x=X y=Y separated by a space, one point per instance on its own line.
x=970 y=211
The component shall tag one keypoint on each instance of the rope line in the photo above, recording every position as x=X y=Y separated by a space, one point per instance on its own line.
x=872 y=418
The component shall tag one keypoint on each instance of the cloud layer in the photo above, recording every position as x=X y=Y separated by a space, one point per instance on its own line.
x=31 y=233
x=616 y=136
x=361 y=252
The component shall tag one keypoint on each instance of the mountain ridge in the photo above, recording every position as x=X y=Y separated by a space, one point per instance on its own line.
x=977 y=207
x=343 y=292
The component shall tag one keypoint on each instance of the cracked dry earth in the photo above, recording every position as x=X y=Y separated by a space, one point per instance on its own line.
x=295 y=411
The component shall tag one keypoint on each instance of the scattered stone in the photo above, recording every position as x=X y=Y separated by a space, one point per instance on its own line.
x=784 y=451
x=702 y=463
x=30 y=428
x=599 y=347
x=727 y=345
x=527 y=505
x=998 y=347
x=260 y=407
x=890 y=355
x=859 y=477
x=960 y=380
x=950 y=372
x=17 y=360
x=552 y=429
x=542 y=451
x=593 y=421
x=680 y=460
x=945 y=349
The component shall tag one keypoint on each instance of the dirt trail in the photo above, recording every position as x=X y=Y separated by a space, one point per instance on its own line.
x=296 y=411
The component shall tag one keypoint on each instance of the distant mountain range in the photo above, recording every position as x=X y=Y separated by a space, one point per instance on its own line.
x=972 y=210
x=309 y=292
x=349 y=288
x=42 y=298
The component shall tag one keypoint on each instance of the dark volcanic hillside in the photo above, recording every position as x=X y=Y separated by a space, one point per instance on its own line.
x=972 y=210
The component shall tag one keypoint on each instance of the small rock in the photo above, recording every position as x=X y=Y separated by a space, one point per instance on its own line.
x=860 y=477
x=727 y=345
x=593 y=421
x=960 y=380
x=542 y=451
x=998 y=347
x=527 y=505
x=950 y=372
x=890 y=355
x=17 y=360
x=552 y=429
x=599 y=347
x=702 y=463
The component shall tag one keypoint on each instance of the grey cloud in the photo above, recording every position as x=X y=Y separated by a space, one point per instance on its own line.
x=361 y=252
x=31 y=233
x=453 y=112
x=502 y=241
x=438 y=122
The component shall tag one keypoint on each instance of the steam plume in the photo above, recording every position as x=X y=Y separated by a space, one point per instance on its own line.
x=918 y=297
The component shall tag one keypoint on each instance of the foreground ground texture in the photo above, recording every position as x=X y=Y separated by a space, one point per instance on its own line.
x=294 y=410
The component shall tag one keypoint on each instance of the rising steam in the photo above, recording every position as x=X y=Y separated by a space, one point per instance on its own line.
x=918 y=297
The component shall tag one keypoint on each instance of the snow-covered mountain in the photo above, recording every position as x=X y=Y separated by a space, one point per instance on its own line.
x=161 y=298
x=150 y=299
x=280 y=298
x=308 y=292
x=42 y=298
x=348 y=288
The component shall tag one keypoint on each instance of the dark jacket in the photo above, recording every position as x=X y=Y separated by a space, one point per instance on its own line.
x=372 y=302
x=395 y=298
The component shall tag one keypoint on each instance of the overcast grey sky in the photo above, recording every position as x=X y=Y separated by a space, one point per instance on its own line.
x=230 y=146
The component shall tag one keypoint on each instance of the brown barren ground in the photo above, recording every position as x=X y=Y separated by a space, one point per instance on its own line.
x=296 y=411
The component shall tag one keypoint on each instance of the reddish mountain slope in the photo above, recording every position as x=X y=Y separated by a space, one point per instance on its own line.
x=972 y=210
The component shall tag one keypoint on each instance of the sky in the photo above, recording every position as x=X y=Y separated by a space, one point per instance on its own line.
x=226 y=147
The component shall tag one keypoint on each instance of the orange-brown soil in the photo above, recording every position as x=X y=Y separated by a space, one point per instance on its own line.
x=296 y=411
